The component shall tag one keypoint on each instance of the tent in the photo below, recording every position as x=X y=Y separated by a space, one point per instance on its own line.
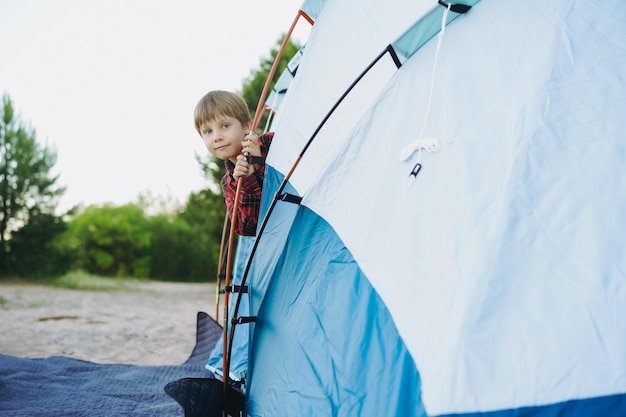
x=442 y=208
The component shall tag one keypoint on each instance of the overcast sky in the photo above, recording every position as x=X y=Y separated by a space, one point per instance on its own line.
x=112 y=84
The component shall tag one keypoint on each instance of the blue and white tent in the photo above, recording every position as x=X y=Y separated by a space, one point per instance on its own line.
x=456 y=244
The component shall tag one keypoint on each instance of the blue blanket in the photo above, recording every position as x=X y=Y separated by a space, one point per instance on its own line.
x=66 y=387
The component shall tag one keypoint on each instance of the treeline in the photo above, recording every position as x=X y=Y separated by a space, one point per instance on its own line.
x=180 y=244
x=121 y=241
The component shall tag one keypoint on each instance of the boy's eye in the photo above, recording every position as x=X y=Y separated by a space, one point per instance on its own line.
x=226 y=125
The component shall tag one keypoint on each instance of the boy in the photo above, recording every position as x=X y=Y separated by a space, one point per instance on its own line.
x=223 y=121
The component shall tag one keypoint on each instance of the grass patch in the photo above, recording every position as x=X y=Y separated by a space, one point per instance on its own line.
x=84 y=281
x=3 y=301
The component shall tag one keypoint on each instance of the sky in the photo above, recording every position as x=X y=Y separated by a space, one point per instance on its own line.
x=112 y=84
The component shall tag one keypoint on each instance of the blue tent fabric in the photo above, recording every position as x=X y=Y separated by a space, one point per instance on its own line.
x=63 y=386
x=599 y=406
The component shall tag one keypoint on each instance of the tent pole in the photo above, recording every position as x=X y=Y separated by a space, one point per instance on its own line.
x=257 y=117
x=259 y=108
x=220 y=266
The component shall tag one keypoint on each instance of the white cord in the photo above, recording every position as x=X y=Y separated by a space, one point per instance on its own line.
x=429 y=144
x=432 y=79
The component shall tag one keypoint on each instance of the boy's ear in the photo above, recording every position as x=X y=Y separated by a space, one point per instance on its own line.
x=248 y=126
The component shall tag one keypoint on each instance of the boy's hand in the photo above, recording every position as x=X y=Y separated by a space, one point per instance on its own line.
x=242 y=168
x=251 y=145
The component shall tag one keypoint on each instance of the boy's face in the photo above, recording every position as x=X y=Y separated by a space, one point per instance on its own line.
x=223 y=136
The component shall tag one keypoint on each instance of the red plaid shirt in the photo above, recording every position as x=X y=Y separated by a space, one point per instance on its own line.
x=250 y=195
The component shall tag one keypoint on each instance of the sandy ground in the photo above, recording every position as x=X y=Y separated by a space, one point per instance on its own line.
x=152 y=324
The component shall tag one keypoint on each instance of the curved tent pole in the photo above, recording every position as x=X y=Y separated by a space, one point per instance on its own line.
x=229 y=266
x=270 y=76
x=220 y=266
x=398 y=60
x=254 y=125
x=229 y=258
x=277 y=195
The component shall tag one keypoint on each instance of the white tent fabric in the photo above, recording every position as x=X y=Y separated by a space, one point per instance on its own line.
x=275 y=98
x=501 y=267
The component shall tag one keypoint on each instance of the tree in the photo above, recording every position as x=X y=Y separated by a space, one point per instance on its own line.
x=175 y=250
x=204 y=213
x=35 y=249
x=26 y=184
x=110 y=241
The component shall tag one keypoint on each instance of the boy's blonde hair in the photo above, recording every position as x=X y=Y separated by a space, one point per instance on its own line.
x=221 y=103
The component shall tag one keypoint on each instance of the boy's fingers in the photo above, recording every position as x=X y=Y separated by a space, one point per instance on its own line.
x=251 y=137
